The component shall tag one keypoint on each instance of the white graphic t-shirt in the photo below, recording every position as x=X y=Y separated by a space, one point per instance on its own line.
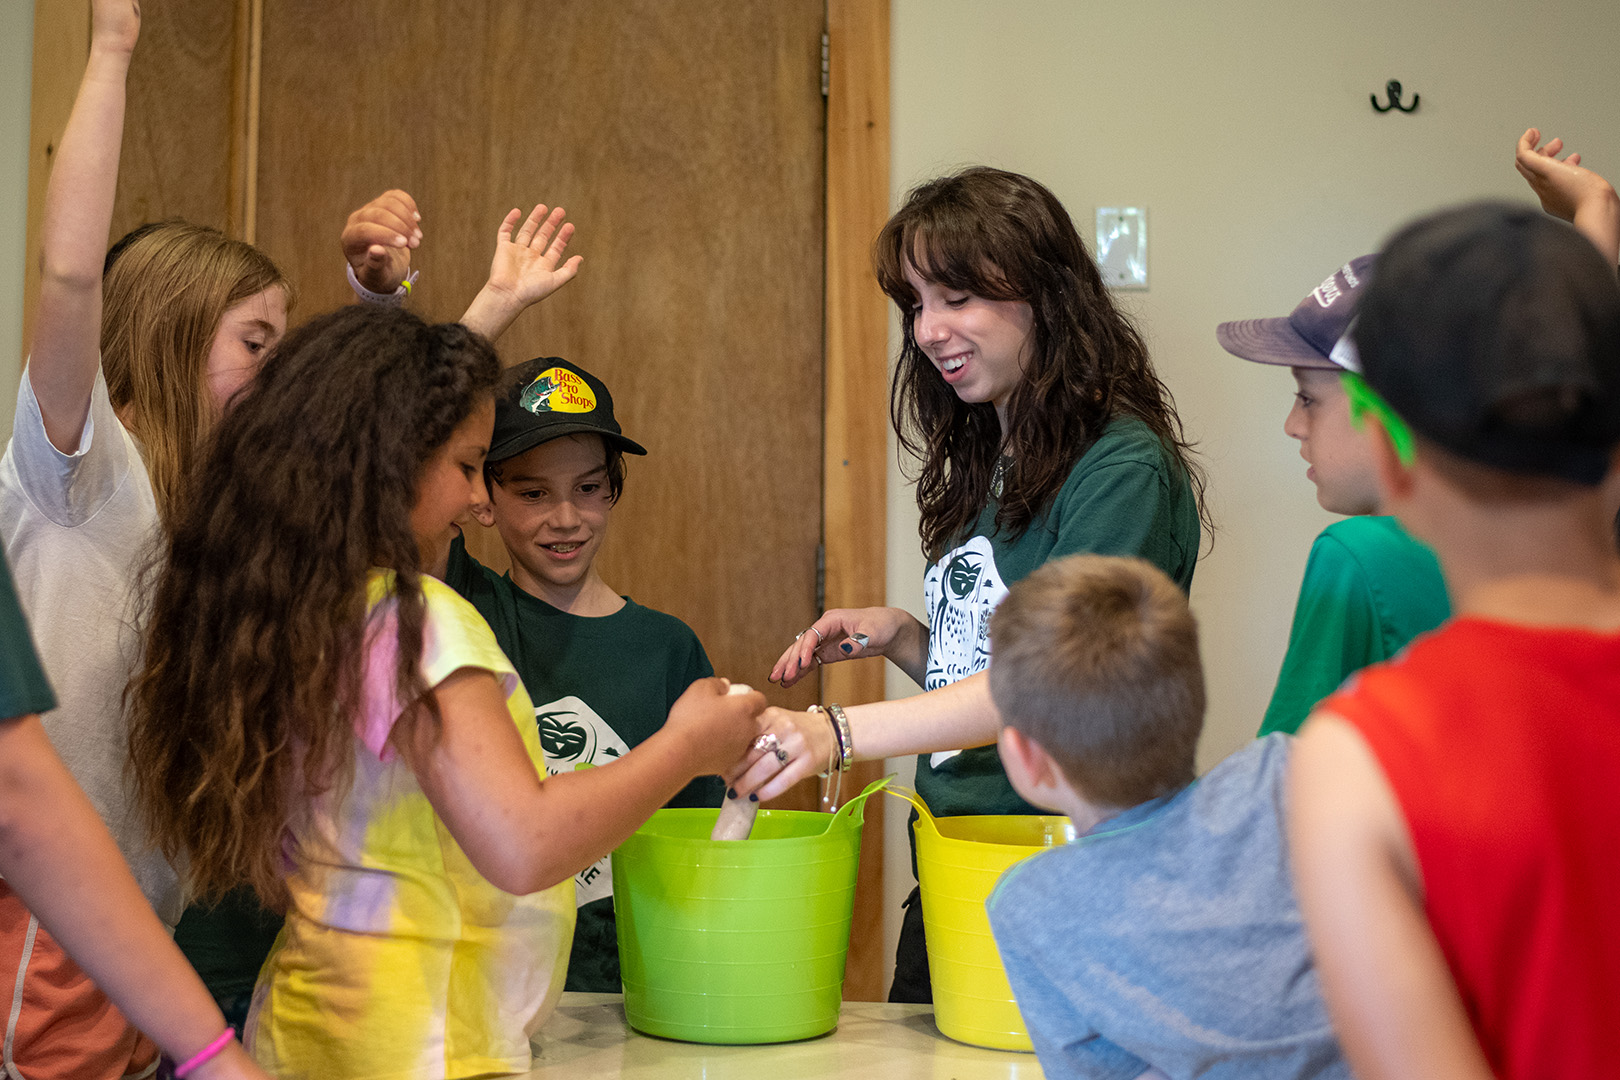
x=961 y=591
x=572 y=734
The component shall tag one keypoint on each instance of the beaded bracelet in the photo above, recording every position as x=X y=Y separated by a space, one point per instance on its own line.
x=206 y=1054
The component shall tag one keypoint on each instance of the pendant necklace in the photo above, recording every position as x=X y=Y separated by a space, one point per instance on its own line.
x=999 y=476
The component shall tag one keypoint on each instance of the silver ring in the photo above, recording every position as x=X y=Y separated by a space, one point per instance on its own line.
x=769 y=743
x=861 y=639
x=781 y=755
x=819 y=638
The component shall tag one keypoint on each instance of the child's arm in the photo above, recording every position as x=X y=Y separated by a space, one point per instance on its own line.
x=525 y=834
x=1566 y=190
x=59 y=858
x=1387 y=986
x=66 y=350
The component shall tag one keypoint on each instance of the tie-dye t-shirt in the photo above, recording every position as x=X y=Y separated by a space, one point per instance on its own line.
x=398 y=960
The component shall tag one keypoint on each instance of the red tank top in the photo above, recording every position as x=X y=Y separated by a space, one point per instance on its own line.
x=1502 y=745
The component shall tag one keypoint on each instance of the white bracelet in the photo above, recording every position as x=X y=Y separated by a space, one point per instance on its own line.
x=393 y=299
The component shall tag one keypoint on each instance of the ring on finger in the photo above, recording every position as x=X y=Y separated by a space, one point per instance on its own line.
x=769 y=743
x=781 y=755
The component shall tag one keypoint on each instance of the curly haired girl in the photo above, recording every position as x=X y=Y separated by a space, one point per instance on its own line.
x=319 y=718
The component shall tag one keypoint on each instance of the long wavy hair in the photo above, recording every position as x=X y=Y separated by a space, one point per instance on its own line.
x=1002 y=236
x=242 y=714
x=164 y=291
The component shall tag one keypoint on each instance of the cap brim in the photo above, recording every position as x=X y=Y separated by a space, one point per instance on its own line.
x=1271 y=341
x=528 y=440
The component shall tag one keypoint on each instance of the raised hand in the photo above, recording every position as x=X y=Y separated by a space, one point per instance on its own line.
x=1568 y=190
x=378 y=238
x=529 y=267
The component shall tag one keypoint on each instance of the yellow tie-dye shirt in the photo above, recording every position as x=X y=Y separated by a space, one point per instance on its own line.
x=398 y=960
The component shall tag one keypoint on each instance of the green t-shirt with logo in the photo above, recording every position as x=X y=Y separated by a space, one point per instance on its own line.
x=600 y=687
x=1369 y=588
x=1127 y=495
x=24 y=690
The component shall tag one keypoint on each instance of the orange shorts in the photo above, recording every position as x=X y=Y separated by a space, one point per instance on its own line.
x=59 y=1025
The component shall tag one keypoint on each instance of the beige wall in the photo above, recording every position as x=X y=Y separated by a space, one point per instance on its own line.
x=16 y=64
x=1245 y=130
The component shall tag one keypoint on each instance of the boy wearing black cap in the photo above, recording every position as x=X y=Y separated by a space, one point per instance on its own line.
x=1369 y=588
x=1452 y=813
x=603 y=670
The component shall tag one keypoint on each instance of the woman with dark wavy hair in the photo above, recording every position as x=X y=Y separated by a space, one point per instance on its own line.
x=321 y=719
x=1040 y=430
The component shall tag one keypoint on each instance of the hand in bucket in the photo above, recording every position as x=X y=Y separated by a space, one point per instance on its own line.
x=790 y=747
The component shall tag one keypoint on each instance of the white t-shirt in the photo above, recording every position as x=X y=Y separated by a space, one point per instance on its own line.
x=76 y=528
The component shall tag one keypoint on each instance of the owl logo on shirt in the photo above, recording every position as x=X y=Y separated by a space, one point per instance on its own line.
x=573 y=734
x=961 y=589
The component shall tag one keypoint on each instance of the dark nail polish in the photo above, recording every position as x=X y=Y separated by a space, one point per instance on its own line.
x=753 y=796
x=731 y=793
x=847 y=647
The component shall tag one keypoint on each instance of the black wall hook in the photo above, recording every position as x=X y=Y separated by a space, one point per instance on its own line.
x=1393 y=89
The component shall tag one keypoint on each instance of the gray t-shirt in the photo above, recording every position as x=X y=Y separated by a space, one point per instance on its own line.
x=1170 y=937
x=75 y=527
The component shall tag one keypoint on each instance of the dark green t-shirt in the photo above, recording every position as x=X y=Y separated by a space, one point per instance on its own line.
x=24 y=690
x=1369 y=589
x=1127 y=495
x=600 y=687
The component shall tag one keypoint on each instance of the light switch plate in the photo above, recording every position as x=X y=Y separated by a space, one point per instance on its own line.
x=1122 y=246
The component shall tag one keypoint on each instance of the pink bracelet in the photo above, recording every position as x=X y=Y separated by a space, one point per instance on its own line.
x=206 y=1054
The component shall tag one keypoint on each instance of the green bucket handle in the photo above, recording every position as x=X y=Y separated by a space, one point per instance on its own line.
x=856 y=807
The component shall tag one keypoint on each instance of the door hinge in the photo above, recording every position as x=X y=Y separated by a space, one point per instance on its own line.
x=826 y=62
x=821 y=579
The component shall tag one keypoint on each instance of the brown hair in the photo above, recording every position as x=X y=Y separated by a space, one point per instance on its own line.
x=1003 y=236
x=165 y=290
x=243 y=713
x=1095 y=658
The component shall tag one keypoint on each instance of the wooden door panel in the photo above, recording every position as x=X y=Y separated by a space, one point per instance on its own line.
x=685 y=139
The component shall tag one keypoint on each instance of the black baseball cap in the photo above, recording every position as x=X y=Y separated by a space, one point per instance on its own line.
x=1494 y=331
x=548 y=397
x=1315 y=334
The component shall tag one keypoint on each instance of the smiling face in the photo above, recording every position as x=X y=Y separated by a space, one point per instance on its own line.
x=246 y=332
x=552 y=505
x=980 y=347
x=451 y=484
x=1339 y=456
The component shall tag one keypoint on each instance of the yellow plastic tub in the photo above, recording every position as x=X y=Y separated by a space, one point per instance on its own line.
x=959 y=860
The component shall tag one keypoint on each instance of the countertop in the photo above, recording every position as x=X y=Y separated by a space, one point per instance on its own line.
x=588 y=1037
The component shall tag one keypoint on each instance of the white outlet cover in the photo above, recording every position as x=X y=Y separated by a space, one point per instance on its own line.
x=1122 y=246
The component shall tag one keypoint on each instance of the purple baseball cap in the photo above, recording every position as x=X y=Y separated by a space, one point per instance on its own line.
x=1316 y=334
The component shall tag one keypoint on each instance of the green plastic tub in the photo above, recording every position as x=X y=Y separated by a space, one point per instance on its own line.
x=737 y=941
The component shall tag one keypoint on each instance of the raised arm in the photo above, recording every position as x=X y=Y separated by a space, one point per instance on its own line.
x=524 y=833
x=59 y=858
x=378 y=239
x=66 y=351
x=1393 y=1003
x=1569 y=191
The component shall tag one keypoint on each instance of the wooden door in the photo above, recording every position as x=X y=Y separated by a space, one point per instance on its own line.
x=686 y=141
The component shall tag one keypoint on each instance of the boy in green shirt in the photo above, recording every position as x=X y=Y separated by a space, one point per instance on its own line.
x=1369 y=588
x=603 y=670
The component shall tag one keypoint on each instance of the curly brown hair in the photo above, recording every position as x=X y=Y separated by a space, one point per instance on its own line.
x=1003 y=236
x=242 y=715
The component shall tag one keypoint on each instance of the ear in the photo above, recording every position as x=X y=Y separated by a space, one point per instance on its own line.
x=1394 y=479
x=1033 y=773
x=484 y=512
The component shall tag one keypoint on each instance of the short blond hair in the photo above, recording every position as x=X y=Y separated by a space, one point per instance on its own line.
x=1095 y=658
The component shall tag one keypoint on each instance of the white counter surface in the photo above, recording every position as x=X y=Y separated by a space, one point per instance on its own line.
x=587 y=1037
